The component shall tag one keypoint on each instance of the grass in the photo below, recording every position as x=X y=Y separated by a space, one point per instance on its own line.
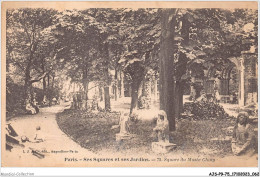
x=93 y=131
x=90 y=130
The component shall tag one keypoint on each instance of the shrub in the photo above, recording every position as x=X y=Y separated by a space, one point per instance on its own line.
x=204 y=110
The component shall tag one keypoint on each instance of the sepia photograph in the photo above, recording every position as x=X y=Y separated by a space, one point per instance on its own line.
x=113 y=84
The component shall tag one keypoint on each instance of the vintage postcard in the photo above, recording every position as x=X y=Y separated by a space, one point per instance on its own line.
x=129 y=84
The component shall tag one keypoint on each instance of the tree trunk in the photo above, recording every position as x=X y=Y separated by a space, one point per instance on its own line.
x=130 y=91
x=27 y=90
x=44 y=100
x=166 y=65
x=122 y=84
x=85 y=85
x=44 y=87
x=116 y=83
x=52 y=84
x=144 y=93
x=48 y=89
x=178 y=99
x=48 y=76
x=122 y=88
x=28 y=84
x=181 y=93
x=107 y=98
x=85 y=82
x=85 y=96
x=101 y=93
x=108 y=83
x=134 y=93
x=28 y=94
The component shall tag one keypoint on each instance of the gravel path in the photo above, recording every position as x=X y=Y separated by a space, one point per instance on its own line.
x=56 y=145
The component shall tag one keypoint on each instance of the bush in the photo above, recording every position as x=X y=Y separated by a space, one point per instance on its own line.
x=15 y=96
x=205 y=110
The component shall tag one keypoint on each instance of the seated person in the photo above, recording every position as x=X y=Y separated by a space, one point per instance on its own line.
x=243 y=141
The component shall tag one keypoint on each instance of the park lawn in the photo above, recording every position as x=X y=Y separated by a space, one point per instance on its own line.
x=93 y=131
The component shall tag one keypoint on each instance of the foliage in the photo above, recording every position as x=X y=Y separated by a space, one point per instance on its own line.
x=142 y=45
x=15 y=96
x=204 y=110
x=76 y=34
x=27 y=43
x=208 y=31
x=87 y=44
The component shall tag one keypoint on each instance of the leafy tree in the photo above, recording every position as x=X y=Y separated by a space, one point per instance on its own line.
x=25 y=29
x=195 y=45
x=140 y=32
x=109 y=45
x=77 y=34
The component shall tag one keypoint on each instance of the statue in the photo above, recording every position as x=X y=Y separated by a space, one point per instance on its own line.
x=244 y=140
x=162 y=127
x=163 y=134
x=124 y=127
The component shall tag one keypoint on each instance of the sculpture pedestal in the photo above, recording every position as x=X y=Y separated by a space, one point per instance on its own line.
x=123 y=136
x=162 y=147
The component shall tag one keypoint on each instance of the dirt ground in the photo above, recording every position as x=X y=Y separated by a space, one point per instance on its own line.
x=91 y=135
x=54 y=142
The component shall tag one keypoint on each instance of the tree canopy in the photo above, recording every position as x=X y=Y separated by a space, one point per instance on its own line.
x=86 y=45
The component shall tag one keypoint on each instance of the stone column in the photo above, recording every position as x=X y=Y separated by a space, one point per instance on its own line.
x=250 y=72
x=241 y=100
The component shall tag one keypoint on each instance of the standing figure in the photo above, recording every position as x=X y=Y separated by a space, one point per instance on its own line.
x=124 y=127
x=243 y=141
x=162 y=127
